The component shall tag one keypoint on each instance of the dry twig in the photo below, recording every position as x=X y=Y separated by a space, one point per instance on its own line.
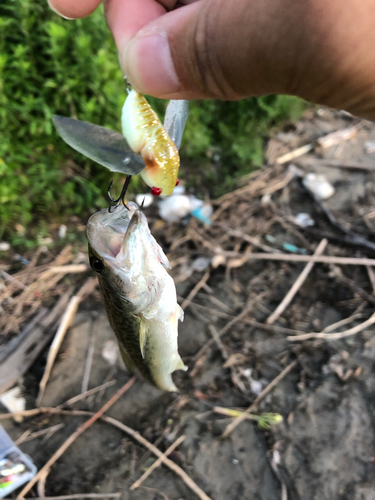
x=66 y=321
x=158 y=462
x=203 y=350
x=324 y=259
x=296 y=286
x=230 y=428
x=128 y=430
x=195 y=290
x=88 y=393
x=79 y=496
x=46 y=468
x=338 y=335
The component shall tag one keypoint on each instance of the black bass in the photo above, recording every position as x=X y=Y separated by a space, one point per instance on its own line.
x=139 y=295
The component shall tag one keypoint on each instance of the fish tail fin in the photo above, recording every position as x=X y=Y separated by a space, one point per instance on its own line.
x=127 y=360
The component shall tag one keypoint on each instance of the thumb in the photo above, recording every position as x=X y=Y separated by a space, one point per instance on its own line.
x=211 y=49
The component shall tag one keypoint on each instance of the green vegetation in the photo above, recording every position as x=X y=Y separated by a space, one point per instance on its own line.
x=53 y=66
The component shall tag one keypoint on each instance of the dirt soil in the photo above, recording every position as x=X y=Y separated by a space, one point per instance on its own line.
x=324 y=449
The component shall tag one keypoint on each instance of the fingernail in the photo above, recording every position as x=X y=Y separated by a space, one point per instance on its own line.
x=148 y=63
x=52 y=7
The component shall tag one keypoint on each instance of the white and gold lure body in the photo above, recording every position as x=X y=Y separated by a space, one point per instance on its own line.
x=146 y=135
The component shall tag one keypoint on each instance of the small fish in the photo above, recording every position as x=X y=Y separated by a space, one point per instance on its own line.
x=146 y=135
x=139 y=295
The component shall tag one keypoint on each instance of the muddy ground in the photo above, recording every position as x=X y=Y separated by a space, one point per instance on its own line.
x=324 y=449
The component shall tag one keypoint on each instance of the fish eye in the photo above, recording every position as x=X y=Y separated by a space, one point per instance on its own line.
x=97 y=265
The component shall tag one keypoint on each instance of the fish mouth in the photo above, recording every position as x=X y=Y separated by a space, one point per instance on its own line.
x=106 y=231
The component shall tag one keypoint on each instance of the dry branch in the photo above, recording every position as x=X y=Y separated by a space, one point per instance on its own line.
x=158 y=462
x=296 y=286
x=230 y=428
x=195 y=290
x=335 y=336
x=129 y=431
x=45 y=469
x=323 y=259
x=66 y=321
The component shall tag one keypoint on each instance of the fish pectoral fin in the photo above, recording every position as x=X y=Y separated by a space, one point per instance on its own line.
x=143 y=329
x=127 y=360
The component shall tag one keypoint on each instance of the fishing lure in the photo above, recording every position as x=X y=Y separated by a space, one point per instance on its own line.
x=147 y=147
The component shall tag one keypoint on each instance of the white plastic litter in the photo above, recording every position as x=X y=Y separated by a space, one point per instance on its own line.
x=110 y=352
x=147 y=199
x=62 y=231
x=4 y=246
x=319 y=185
x=303 y=220
x=201 y=264
x=179 y=205
x=175 y=207
x=13 y=401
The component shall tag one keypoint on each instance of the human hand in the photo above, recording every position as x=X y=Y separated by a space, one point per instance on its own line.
x=320 y=50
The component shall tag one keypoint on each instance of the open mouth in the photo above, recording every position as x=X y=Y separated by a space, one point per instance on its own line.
x=107 y=231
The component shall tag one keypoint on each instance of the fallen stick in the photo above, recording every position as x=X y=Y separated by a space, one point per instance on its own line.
x=294 y=154
x=230 y=428
x=166 y=461
x=330 y=162
x=11 y=279
x=78 y=496
x=87 y=393
x=47 y=466
x=371 y=276
x=335 y=336
x=156 y=464
x=323 y=259
x=195 y=290
x=30 y=436
x=66 y=321
x=128 y=430
x=89 y=358
x=296 y=286
x=202 y=351
x=71 y=268
x=234 y=372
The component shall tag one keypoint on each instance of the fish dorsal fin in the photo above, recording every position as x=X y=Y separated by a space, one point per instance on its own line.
x=143 y=328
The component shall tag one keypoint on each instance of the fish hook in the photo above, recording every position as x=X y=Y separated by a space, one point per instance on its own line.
x=113 y=204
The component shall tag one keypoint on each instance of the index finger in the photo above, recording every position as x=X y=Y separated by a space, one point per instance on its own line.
x=72 y=9
x=126 y=17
